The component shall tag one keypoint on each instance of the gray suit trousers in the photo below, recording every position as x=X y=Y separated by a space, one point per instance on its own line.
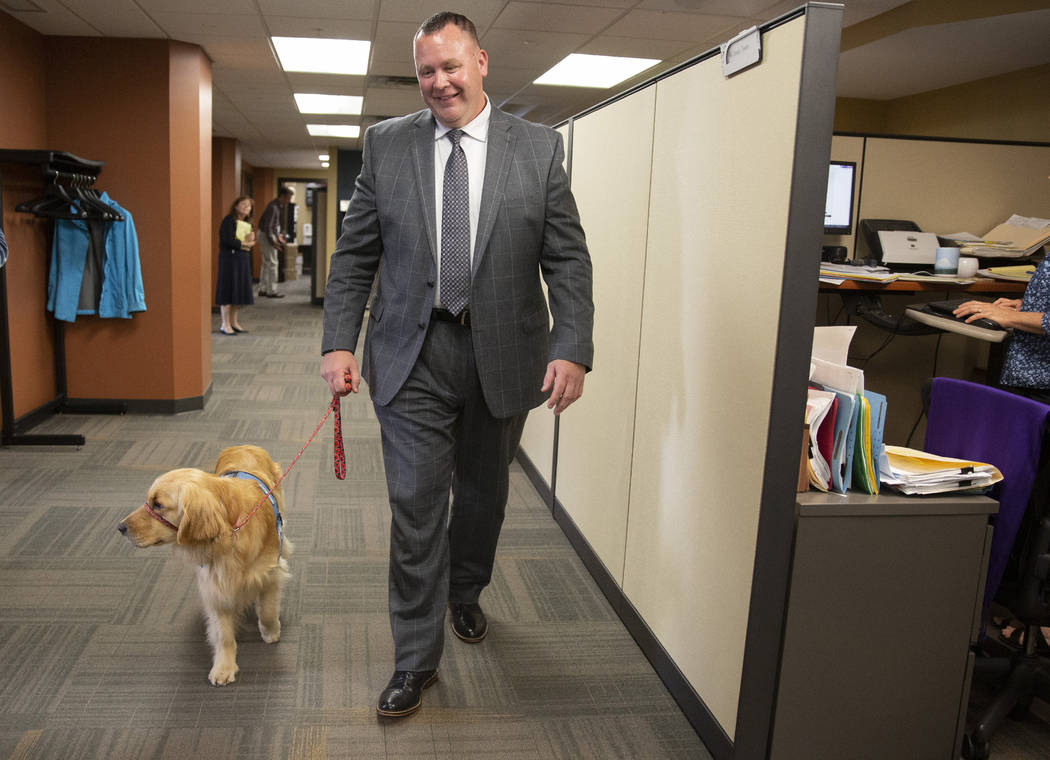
x=438 y=434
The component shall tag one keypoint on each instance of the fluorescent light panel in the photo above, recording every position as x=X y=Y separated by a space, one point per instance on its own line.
x=334 y=130
x=582 y=70
x=341 y=104
x=322 y=56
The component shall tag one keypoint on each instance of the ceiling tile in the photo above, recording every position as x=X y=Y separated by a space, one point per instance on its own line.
x=392 y=48
x=540 y=50
x=633 y=47
x=325 y=28
x=551 y=17
x=194 y=27
x=329 y=9
x=383 y=102
x=211 y=7
x=481 y=12
x=56 y=20
x=710 y=7
x=663 y=25
x=332 y=84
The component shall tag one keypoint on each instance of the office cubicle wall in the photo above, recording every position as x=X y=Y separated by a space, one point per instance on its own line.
x=596 y=435
x=537 y=439
x=702 y=199
x=944 y=186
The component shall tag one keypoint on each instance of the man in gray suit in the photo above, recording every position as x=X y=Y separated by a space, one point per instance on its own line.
x=459 y=208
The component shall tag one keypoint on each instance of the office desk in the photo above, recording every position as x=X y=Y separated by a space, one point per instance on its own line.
x=1005 y=288
x=885 y=600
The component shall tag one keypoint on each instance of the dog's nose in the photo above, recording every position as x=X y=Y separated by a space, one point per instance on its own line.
x=122 y=528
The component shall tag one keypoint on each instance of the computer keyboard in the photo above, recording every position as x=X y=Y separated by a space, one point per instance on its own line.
x=945 y=309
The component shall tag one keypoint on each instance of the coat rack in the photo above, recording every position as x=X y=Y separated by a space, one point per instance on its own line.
x=68 y=193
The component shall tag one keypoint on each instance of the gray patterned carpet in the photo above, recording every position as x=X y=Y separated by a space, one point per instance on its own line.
x=102 y=651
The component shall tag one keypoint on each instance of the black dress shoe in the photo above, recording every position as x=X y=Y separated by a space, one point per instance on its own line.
x=404 y=694
x=239 y=330
x=468 y=622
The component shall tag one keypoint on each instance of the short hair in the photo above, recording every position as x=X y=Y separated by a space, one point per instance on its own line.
x=285 y=190
x=439 y=21
x=237 y=202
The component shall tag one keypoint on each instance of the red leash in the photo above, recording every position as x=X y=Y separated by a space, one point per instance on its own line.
x=338 y=457
x=339 y=463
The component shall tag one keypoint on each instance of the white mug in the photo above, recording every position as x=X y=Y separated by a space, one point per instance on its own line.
x=967 y=267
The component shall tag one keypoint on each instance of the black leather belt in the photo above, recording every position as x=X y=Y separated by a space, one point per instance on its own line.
x=444 y=315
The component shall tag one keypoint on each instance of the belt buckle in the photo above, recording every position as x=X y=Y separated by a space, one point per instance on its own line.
x=462 y=318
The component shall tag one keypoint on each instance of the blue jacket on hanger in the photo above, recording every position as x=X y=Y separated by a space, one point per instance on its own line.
x=121 y=273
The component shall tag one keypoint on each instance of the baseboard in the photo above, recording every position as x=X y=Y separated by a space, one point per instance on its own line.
x=136 y=405
x=533 y=474
x=696 y=712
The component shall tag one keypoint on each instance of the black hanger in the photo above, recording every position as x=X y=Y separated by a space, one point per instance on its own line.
x=55 y=203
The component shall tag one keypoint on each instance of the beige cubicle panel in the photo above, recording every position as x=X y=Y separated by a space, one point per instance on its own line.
x=721 y=188
x=537 y=439
x=596 y=434
x=948 y=186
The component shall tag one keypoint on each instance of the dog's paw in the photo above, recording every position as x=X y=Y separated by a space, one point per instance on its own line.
x=271 y=634
x=221 y=675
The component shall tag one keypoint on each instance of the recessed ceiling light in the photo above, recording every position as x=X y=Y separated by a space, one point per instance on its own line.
x=313 y=103
x=323 y=157
x=324 y=164
x=333 y=130
x=581 y=70
x=323 y=56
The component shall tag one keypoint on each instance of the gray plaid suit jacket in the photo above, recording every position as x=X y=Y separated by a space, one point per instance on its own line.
x=528 y=225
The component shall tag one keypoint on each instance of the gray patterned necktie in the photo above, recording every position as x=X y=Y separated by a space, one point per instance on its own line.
x=455 y=229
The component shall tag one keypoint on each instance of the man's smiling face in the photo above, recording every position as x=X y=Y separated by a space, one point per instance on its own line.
x=450 y=67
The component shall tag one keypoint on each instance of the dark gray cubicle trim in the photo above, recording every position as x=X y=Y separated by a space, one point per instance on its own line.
x=798 y=304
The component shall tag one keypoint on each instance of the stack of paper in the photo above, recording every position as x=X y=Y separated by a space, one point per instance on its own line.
x=846 y=421
x=1017 y=237
x=1020 y=273
x=836 y=273
x=917 y=472
x=820 y=416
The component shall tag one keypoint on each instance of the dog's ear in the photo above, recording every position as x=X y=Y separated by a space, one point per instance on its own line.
x=203 y=518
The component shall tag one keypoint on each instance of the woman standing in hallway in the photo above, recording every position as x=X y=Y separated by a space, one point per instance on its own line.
x=233 y=287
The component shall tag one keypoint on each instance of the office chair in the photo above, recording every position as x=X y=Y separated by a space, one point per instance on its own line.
x=981 y=423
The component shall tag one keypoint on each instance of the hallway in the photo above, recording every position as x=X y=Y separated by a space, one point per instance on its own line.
x=102 y=645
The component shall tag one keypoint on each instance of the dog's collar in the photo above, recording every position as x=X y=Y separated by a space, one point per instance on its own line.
x=157 y=515
x=268 y=493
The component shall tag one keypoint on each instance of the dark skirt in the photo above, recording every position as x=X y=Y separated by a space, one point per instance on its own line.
x=234 y=282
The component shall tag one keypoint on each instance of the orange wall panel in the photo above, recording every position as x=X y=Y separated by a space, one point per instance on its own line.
x=108 y=101
x=23 y=127
x=190 y=172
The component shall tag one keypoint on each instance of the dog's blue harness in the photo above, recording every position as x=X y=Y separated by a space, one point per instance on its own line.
x=272 y=499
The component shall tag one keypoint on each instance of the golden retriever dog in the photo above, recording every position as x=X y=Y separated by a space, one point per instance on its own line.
x=199 y=513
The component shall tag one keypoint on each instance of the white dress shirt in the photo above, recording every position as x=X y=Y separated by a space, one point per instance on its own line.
x=475 y=147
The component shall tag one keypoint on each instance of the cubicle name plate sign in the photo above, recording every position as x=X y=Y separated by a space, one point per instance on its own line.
x=741 y=52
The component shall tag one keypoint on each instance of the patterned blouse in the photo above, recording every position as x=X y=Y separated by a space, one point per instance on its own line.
x=1027 y=362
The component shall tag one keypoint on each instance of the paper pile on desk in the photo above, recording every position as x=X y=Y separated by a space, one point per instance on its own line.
x=846 y=421
x=1017 y=237
x=834 y=274
x=917 y=472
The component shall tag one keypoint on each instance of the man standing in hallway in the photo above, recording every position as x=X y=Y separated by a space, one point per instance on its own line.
x=271 y=241
x=459 y=207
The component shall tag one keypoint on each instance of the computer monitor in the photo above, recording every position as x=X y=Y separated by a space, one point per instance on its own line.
x=838 y=207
